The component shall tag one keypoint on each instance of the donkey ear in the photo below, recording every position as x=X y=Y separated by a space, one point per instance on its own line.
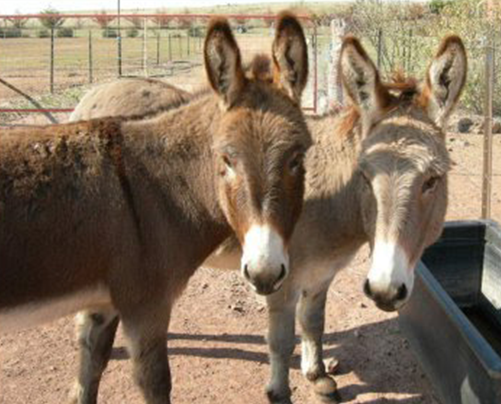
x=361 y=80
x=223 y=61
x=445 y=79
x=290 y=56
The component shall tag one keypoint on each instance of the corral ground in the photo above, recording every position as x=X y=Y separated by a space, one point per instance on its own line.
x=217 y=350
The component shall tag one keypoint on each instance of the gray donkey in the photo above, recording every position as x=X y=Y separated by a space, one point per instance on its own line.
x=117 y=215
x=377 y=173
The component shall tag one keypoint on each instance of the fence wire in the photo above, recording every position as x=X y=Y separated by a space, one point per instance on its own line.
x=57 y=64
x=55 y=59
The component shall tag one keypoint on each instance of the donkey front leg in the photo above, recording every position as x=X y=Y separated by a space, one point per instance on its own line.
x=96 y=332
x=281 y=336
x=311 y=314
x=147 y=335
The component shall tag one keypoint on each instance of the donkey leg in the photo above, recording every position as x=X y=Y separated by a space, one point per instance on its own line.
x=96 y=332
x=312 y=320
x=281 y=335
x=147 y=335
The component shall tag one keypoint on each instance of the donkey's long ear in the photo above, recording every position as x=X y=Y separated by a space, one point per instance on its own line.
x=290 y=56
x=361 y=80
x=445 y=79
x=223 y=62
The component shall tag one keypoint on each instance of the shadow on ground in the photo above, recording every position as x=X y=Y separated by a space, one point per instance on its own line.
x=383 y=350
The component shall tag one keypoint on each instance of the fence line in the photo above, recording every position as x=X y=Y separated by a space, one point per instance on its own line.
x=149 y=50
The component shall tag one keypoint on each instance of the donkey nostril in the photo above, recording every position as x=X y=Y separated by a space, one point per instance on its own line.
x=402 y=292
x=283 y=273
x=246 y=272
x=367 y=288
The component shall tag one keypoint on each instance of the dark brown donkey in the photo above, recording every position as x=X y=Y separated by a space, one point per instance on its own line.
x=109 y=214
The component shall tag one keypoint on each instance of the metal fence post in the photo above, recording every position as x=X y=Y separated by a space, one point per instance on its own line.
x=145 y=47
x=119 y=42
x=170 y=47
x=487 y=166
x=315 y=71
x=91 y=73
x=52 y=60
x=158 y=47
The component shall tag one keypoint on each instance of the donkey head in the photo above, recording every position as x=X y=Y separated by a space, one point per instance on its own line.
x=403 y=163
x=259 y=146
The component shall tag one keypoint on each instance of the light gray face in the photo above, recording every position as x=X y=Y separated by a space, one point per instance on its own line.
x=404 y=169
x=403 y=161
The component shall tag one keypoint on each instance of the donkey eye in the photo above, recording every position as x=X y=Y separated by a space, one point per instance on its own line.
x=227 y=161
x=430 y=184
x=228 y=166
x=296 y=162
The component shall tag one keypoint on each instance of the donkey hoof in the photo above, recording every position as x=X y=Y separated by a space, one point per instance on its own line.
x=278 y=398
x=331 y=366
x=314 y=374
x=326 y=389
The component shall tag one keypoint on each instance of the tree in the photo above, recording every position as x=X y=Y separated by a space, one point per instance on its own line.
x=51 y=19
x=161 y=19
x=136 y=21
x=103 y=19
x=19 y=22
x=185 y=22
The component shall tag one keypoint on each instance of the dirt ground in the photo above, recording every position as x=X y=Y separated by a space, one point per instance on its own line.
x=217 y=350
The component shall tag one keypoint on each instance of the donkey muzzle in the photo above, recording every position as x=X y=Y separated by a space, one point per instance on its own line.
x=265 y=284
x=387 y=300
x=265 y=261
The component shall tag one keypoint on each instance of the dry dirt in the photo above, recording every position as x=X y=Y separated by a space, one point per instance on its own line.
x=217 y=350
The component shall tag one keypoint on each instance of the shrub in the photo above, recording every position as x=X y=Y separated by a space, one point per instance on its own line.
x=110 y=33
x=43 y=33
x=11 y=32
x=65 y=32
x=132 y=33
x=436 y=6
x=195 y=31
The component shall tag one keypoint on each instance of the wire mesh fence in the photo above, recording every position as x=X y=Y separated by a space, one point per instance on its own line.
x=403 y=39
x=57 y=62
x=55 y=59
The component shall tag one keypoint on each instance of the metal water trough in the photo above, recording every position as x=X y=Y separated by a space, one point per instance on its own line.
x=453 y=319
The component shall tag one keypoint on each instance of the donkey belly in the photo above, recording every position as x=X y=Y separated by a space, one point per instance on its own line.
x=36 y=313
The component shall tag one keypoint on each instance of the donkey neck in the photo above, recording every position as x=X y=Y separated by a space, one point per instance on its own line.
x=331 y=213
x=172 y=155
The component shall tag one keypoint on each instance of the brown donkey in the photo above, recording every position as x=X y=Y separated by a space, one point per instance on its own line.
x=118 y=215
x=376 y=173
x=136 y=98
